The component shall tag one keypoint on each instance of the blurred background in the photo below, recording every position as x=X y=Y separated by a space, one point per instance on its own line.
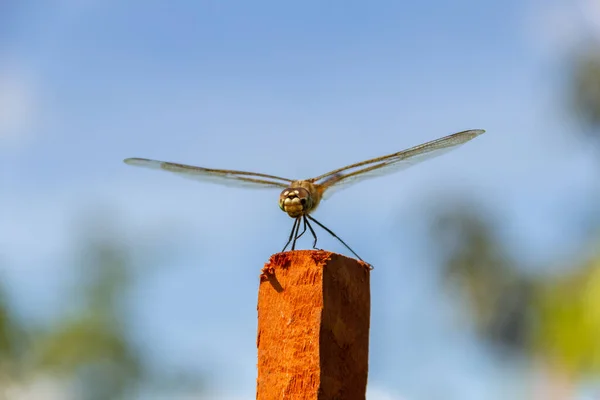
x=122 y=283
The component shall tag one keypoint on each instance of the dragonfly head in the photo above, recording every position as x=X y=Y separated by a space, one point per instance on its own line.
x=295 y=201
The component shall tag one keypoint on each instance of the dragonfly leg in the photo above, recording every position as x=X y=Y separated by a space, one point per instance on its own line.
x=296 y=233
x=303 y=229
x=296 y=222
x=334 y=235
x=311 y=231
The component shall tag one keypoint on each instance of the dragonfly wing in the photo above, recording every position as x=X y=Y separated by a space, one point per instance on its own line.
x=220 y=176
x=379 y=166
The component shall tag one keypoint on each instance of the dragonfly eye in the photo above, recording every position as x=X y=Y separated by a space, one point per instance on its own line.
x=295 y=201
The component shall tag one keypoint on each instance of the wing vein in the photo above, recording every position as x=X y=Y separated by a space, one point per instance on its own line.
x=221 y=176
x=392 y=162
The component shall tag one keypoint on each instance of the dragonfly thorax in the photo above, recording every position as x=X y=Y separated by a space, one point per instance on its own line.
x=299 y=199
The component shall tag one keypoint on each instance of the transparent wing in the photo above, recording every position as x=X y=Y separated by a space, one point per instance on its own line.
x=220 y=176
x=342 y=177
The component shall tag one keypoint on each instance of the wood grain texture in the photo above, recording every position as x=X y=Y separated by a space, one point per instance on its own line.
x=313 y=327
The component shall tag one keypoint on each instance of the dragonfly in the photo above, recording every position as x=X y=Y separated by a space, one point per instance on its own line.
x=300 y=198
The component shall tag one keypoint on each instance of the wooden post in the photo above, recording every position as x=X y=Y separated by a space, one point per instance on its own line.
x=313 y=327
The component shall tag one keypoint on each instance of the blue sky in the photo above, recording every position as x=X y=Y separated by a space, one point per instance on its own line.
x=293 y=90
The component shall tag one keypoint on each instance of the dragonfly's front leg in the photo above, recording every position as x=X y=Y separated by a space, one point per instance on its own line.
x=303 y=229
x=297 y=225
x=296 y=222
x=311 y=231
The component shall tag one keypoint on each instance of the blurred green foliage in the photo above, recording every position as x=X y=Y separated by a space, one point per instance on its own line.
x=476 y=262
x=90 y=341
x=542 y=316
x=585 y=89
x=567 y=309
x=538 y=315
x=89 y=348
x=12 y=341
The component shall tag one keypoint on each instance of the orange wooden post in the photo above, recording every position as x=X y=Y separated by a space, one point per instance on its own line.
x=313 y=327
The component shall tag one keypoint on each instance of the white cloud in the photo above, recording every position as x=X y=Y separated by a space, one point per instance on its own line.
x=17 y=104
x=590 y=10
x=39 y=388
x=561 y=25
